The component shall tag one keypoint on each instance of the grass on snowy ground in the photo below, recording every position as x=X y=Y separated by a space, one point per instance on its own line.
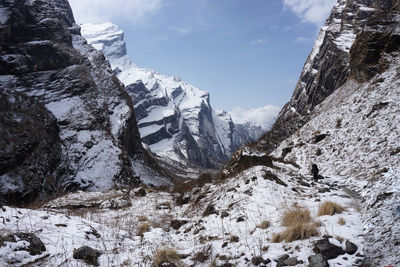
x=330 y=208
x=167 y=257
x=299 y=225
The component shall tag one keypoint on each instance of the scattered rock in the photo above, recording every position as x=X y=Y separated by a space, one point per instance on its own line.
x=234 y=238
x=317 y=261
x=327 y=249
x=274 y=178
x=92 y=232
x=351 y=248
x=224 y=244
x=140 y=193
x=60 y=225
x=176 y=224
x=291 y=261
x=36 y=245
x=87 y=254
x=209 y=210
x=89 y=144
x=257 y=260
x=224 y=214
x=319 y=138
x=280 y=261
x=240 y=219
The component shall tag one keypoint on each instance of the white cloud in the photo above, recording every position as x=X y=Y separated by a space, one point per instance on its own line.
x=180 y=30
x=263 y=116
x=259 y=42
x=314 y=11
x=97 y=11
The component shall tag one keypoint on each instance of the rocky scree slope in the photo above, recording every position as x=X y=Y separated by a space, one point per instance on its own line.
x=66 y=121
x=328 y=65
x=175 y=119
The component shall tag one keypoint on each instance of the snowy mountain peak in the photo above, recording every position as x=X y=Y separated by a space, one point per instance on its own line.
x=109 y=39
x=175 y=119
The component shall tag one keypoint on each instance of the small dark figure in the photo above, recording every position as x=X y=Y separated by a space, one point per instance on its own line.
x=315 y=171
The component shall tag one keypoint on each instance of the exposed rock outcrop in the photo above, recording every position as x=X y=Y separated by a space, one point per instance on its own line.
x=66 y=120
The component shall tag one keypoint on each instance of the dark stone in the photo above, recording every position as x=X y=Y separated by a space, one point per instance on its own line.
x=224 y=214
x=240 y=219
x=87 y=254
x=89 y=144
x=351 y=248
x=377 y=107
x=257 y=260
x=36 y=246
x=224 y=244
x=273 y=177
x=176 y=224
x=209 y=210
x=319 y=138
x=286 y=151
x=281 y=260
x=291 y=261
x=317 y=261
x=327 y=249
x=140 y=193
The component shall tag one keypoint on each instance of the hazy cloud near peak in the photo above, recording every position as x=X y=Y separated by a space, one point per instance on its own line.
x=263 y=116
x=180 y=30
x=314 y=11
x=97 y=11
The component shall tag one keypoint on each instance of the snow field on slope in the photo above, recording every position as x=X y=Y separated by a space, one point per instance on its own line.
x=248 y=195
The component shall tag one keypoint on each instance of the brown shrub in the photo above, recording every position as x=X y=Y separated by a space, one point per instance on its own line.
x=143 y=228
x=264 y=224
x=294 y=232
x=330 y=208
x=296 y=215
x=341 y=221
x=167 y=256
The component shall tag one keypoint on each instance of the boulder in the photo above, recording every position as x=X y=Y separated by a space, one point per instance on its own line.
x=327 y=249
x=317 y=261
x=87 y=254
x=351 y=248
x=36 y=245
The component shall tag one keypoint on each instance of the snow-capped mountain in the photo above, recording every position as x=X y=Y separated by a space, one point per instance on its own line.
x=175 y=118
x=266 y=209
x=66 y=121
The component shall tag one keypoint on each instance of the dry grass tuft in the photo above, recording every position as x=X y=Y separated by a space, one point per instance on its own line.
x=296 y=215
x=341 y=221
x=264 y=225
x=298 y=231
x=143 y=228
x=167 y=257
x=330 y=208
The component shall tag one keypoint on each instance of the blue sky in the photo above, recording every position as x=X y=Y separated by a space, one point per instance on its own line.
x=246 y=53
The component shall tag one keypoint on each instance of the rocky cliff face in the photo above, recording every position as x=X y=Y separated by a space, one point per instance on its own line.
x=66 y=120
x=328 y=65
x=175 y=118
x=343 y=117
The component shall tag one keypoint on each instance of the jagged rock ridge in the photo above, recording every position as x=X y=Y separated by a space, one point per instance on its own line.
x=175 y=118
x=66 y=120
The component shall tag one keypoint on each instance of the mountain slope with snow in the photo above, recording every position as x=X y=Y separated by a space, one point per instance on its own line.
x=66 y=121
x=175 y=119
